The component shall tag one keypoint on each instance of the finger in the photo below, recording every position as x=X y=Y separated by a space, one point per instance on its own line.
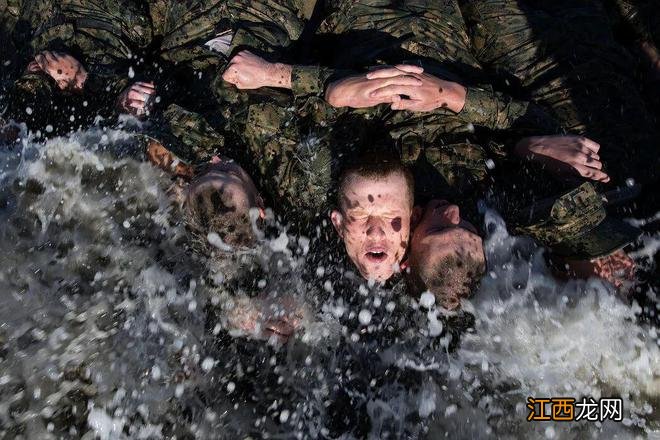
x=50 y=58
x=591 y=162
x=410 y=68
x=145 y=85
x=387 y=72
x=577 y=157
x=591 y=145
x=591 y=173
x=280 y=327
x=395 y=89
x=407 y=104
x=135 y=104
x=141 y=89
x=402 y=80
x=80 y=80
x=41 y=60
x=137 y=96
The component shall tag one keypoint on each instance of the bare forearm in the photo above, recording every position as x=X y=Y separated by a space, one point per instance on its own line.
x=280 y=75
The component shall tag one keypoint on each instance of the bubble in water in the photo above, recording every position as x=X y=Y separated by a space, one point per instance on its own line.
x=427 y=300
x=207 y=364
x=364 y=317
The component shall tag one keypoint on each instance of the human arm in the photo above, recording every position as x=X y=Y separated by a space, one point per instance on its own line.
x=618 y=269
x=479 y=106
x=248 y=71
x=564 y=155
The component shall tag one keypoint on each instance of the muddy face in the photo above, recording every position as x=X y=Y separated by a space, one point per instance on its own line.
x=374 y=223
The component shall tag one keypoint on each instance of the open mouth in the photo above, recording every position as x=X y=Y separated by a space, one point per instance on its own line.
x=376 y=256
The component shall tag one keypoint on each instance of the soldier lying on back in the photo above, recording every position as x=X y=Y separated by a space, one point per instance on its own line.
x=223 y=209
x=446 y=255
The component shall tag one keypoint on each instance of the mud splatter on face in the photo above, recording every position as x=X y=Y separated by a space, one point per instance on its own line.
x=396 y=224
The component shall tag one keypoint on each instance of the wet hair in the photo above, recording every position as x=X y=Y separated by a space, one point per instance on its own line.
x=207 y=212
x=374 y=166
x=450 y=279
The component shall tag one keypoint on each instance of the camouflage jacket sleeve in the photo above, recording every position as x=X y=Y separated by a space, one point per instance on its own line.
x=105 y=88
x=312 y=80
x=270 y=26
x=637 y=17
x=575 y=225
x=293 y=167
x=190 y=135
x=487 y=108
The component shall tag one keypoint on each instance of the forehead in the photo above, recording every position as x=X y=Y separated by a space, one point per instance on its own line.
x=390 y=188
x=455 y=240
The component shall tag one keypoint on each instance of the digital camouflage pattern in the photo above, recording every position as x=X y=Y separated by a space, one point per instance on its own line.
x=358 y=34
x=96 y=33
x=296 y=165
x=576 y=225
x=294 y=148
x=563 y=55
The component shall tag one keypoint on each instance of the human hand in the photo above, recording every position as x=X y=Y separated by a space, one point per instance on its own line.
x=431 y=93
x=248 y=71
x=357 y=91
x=564 y=155
x=616 y=268
x=67 y=71
x=164 y=159
x=135 y=98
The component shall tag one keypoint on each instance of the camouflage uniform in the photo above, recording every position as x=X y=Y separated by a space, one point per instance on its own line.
x=296 y=147
x=359 y=34
x=297 y=150
x=102 y=34
x=638 y=19
x=9 y=13
x=562 y=54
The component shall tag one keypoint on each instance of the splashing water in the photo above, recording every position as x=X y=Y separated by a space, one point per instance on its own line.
x=112 y=327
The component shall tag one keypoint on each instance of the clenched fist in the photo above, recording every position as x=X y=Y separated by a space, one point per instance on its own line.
x=248 y=71
x=67 y=71
x=135 y=99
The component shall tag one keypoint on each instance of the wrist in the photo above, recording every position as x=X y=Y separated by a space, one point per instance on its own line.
x=330 y=95
x=458 y=102
x=279 y=75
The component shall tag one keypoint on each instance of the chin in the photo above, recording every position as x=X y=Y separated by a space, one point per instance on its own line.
x=377 y=275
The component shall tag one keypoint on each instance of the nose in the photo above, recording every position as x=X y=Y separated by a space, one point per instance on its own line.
x=375 y=227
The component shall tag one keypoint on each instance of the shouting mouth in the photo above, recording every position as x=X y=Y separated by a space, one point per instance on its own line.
x=376 y=255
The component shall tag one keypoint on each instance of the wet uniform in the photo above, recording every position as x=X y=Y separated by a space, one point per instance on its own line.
x=297 y=145
x=103 y=35
x=562 y=54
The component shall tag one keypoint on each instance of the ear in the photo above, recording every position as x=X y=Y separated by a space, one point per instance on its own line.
x=416 y=217
x=338 y=222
